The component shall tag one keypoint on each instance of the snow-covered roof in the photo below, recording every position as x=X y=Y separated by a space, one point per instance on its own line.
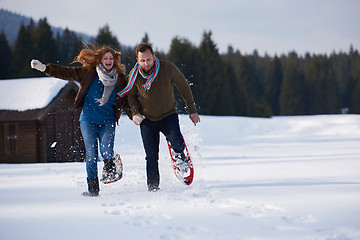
x=29 y=93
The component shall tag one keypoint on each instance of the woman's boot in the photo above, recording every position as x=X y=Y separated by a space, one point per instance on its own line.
x=93 y=187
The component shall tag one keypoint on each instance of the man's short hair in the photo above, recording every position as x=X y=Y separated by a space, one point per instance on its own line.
x=142 y=47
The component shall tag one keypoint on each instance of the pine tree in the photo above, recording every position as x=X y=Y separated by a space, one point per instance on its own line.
x=273 y=80
x=260 y=64
x=77 y=46
x=341 y=66
x=234 y=98
x=212 y=83
x=6 y=57
x=128 y=58
x=183 y=54
x=354 y=104
x=256 y=104
x=105 y=37
x=145 y=39
x=67 y=46
x=44 y=42
x=355 y=100
x=323 y=95
x=293 y=90
x=233 y=57
x=23 y=52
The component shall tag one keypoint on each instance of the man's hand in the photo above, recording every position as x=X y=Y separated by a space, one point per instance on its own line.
x=194 y=118
x=138 y=118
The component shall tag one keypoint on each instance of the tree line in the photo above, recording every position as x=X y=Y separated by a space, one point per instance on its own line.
x=231 y=83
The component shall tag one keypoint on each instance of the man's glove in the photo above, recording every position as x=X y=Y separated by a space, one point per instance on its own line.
x=38 y=65
x=138 y=118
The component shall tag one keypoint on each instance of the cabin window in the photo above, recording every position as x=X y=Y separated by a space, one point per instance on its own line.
x=8 y=134
x=12 y=138
x=2 y=139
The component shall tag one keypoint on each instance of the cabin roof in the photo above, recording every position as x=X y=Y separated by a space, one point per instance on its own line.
x=30 y=99
x=29 y=93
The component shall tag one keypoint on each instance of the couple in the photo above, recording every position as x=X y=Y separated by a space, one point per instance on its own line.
x=146 y=97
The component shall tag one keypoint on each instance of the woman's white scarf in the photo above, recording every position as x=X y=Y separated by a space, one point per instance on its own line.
x=109 y=80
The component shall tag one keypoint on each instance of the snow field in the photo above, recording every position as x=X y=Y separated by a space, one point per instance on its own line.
x=277 y=178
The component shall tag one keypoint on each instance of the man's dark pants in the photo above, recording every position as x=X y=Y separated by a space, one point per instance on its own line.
x=150 y=133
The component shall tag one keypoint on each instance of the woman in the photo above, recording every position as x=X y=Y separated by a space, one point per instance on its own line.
x=101 y=76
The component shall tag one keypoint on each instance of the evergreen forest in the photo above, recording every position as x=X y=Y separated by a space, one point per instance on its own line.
x=230 y=83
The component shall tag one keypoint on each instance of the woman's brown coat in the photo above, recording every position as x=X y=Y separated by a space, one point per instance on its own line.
x=85 y=77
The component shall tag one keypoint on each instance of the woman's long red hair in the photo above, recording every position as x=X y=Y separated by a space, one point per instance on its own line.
x=90 y=58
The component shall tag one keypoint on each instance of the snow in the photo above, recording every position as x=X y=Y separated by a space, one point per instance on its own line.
x=29 y=93
x=255 y=178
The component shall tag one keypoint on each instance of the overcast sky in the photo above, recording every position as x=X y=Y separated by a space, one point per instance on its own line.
x=271 y=26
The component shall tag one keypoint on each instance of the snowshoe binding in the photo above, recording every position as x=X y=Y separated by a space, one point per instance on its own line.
x=182 y=164
x=112 y=170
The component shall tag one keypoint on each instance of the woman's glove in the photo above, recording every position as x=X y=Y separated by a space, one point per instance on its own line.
x=38 y=65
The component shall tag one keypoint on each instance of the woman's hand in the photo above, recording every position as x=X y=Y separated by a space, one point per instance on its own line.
x=36 y=64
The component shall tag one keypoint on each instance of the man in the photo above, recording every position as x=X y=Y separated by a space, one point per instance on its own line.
x=151 y=98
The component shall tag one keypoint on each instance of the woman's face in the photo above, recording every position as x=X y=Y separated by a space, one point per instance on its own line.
x=107 y=61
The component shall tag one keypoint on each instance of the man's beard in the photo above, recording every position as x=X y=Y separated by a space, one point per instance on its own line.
x=150 y=70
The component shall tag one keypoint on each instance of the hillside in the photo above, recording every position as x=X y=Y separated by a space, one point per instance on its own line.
x=10 y=23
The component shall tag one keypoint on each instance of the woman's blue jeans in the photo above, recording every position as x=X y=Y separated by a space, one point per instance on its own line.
x=96 y=135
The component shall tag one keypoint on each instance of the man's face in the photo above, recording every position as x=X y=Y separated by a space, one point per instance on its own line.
x=146 y=60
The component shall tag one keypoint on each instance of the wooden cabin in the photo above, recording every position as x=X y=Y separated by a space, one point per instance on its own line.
x=49 y=133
